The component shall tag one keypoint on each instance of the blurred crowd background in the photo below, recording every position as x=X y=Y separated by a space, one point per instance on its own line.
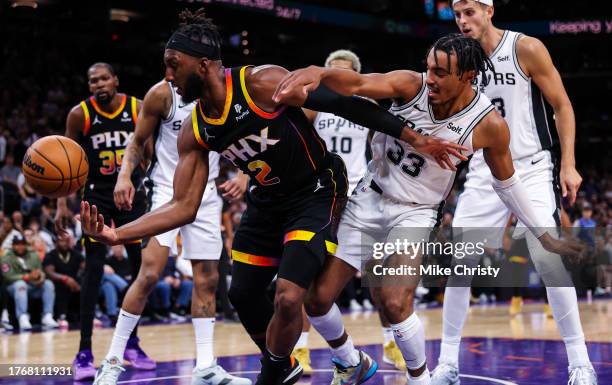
x=43 y=75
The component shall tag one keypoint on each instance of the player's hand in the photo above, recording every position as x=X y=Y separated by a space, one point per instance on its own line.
x=124 y=193
x=297 y=84
x=93 y=225
x=568 y=247
x=235 y=188
x=570 y=182
x=62 y=215
x=440 y=149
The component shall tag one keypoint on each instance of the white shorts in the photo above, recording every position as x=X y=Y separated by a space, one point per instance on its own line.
x=371 y=218
x=479 y=205
x=202 y=238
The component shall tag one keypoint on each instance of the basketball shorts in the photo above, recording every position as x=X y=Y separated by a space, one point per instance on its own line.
x=290 y=234
x=102 y=197
x=201 y=239
x=370 y=218
x=479 y=207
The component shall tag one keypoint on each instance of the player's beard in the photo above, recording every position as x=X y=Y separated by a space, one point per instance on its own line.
x=104 y=98
x=193 y=88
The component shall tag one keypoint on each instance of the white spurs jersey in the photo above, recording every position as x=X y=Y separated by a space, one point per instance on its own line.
x=347 y=139
x=166 y=155
x=407 y=176
x=518 y=99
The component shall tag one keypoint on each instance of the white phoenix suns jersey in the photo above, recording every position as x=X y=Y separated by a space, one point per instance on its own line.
x=407 y=176
x=518 y=99
x=347 y=139
x=166 y=155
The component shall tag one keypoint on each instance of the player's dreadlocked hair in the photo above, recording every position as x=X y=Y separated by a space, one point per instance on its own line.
x=470 y=55
x=199 y=28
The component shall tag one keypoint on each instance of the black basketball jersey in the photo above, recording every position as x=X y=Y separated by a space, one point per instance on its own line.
x=104 y=139
x=281 y=151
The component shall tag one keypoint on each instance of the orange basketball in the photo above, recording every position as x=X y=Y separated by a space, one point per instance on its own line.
x=55 y=166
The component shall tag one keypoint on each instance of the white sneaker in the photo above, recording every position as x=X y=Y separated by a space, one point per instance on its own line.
x=4 y=319
x=48 y=321
x=367 y=305
x=582 y=375
x=216 y=375
x=109 y=372
x=355 y=306
x=24 y=322
x=445 y=374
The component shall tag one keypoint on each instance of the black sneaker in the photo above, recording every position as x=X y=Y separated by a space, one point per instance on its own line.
x=277 y=373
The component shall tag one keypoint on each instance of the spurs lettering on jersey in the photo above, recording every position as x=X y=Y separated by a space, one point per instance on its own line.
x=407 y=176
x=518 y=100
x=347 y=139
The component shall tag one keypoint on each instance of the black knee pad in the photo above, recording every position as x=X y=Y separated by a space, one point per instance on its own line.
x=302 y=261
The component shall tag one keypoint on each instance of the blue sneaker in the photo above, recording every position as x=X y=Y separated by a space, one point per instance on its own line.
x=354 y=375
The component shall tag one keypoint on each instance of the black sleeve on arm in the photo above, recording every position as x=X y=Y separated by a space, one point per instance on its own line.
x=357 y=110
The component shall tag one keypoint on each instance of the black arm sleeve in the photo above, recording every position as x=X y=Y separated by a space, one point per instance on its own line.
x=357 y=110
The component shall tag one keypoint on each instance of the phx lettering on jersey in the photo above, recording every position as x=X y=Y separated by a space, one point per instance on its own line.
x=111 y=139
x=247 y=152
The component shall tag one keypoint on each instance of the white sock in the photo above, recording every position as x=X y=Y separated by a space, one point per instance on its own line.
x=454 y=313
x=410 y=339
x=330 y=325
x=347 y=353
x=423 y=379
x=302 y=341
x=126 y=323
x=562 y=299
x=204 y=329
x=387 y=335
x=564 y=306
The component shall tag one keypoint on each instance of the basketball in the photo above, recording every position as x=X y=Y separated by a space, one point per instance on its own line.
x=55 y=166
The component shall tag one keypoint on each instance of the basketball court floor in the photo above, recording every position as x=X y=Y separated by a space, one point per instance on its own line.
x=497 y=349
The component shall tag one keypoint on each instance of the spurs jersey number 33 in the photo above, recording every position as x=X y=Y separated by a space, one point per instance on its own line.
x=408 y=176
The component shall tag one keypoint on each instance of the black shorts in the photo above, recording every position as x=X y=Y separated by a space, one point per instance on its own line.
x=292 y=234
x=102 y=197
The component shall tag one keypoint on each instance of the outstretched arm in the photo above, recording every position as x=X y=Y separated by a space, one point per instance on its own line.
x=189 y=183
x=153 y=108
x=263 y=82
x=535 y=59
x=402 y=84
x=493 y=136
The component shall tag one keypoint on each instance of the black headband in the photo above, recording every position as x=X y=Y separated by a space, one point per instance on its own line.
x=182 y=43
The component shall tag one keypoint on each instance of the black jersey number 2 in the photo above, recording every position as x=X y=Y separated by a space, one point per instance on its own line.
x=413 y=168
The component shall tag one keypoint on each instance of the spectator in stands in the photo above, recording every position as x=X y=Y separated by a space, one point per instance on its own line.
x=171 y=281
x=117 y=274
x=62 y=265
x=585 y=226
x=23 y=275
x=7 y=232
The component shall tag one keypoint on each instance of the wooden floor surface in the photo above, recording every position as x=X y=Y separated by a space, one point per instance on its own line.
x=176 y=342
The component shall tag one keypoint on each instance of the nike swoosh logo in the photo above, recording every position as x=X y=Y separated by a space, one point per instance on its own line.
x=536 y=162
x=294 y=373
x=416 y=107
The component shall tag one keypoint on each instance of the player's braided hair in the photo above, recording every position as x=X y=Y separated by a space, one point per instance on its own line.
x=470 y=55
x=199 y=28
